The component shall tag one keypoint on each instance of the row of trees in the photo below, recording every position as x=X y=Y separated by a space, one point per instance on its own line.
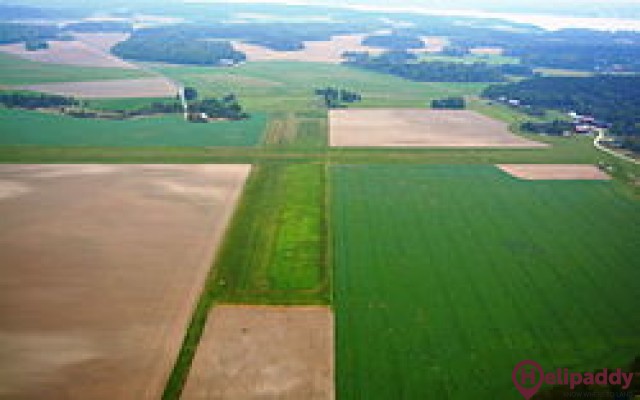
x=394 y=42
x=35 y=100
x=450 y=103
x=553 y=128
x=337 y=98
x=226 y=107
x=574 y=49
x=159 y=46
x=17 y=33
x=404 y=65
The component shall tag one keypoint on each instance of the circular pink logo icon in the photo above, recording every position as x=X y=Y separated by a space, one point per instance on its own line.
x=525 y=380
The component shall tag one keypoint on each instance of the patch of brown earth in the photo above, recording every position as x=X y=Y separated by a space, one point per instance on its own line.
x=73 y=52
x=115 y=88
x=421 y=128
x=248 y=353
x=329 y=51
x=101 y=267
x=554 y=171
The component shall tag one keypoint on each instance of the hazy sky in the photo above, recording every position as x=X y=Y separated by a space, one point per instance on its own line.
x=593 y=7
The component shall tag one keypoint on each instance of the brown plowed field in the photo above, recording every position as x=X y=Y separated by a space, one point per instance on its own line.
x=554 y=171
x=329 y=51
x=101 y=267
x=116 y=88
x=246 y=352
x=78 y=53
x=420 y=128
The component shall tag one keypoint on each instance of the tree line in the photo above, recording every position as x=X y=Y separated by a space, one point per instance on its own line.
x=610 y=98
x=449 y=103
x=394 y=41
x=404 y=65
x=159 y=46
x=18 y=33
x=337 y=98
x=35 y=100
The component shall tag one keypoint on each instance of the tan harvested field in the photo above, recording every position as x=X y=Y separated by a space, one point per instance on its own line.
x=74 y=52
x=487 y=51
x=101 y=267
x=434 y=44
x=325 y=51
x=115 y=88
x=420 y=128
x=554 y=171
x=247 y=353
x=101 y=41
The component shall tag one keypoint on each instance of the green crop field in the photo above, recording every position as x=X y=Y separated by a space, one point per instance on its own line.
x=18 y=71
x=20 y=127
x=447 y=276
x=288 y=86
x=274 y=252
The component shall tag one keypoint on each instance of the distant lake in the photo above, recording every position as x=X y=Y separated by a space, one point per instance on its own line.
x=546 y=21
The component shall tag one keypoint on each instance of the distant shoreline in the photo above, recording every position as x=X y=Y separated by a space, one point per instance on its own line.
x=545 y=21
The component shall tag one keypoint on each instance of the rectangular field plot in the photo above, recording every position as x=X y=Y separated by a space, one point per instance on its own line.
x=246 y=353
x=108 y=89
x=101 y=267
x=447 y=276
x=21 y=127
x=420 y=128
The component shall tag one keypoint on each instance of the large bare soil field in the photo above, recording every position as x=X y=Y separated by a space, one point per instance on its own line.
x=420 y=128
x=101 y=267
x=246 y=352
x=115 y=88
x=554 y=171
x=87 y=53
x=323 y=51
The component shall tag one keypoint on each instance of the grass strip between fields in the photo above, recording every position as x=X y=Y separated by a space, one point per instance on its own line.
x=274 y=252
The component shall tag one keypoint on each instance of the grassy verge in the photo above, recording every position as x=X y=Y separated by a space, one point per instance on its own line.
x=274 y=250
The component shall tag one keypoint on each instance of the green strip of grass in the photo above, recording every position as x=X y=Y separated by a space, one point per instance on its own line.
x=274 y=251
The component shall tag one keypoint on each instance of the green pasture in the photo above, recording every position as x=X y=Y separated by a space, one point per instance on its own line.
x=18 y=71
x=447 y=276
x=274 y=251
x=289 y=86
x=20 y=127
